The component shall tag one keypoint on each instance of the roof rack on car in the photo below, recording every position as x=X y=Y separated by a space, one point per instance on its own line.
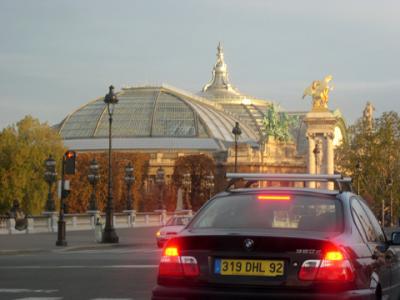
x=343 y=183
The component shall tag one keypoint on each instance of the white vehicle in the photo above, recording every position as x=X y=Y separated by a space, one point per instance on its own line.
x=171 y=228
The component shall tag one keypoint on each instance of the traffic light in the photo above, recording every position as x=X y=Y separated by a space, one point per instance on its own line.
x=69 y=162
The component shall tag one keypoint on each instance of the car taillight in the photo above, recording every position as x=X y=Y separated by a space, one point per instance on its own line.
x=173 y=264
x=274 y=197
x=333 y=267
x=171 y=251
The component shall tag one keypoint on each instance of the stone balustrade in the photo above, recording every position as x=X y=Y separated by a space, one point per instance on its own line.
x=86 y=221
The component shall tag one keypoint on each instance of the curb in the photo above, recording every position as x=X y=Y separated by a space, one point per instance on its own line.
x=21 y=251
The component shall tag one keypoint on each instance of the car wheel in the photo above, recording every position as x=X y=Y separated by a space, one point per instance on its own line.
x=378 y=293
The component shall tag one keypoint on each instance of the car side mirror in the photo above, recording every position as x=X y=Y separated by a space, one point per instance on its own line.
x=396 y=238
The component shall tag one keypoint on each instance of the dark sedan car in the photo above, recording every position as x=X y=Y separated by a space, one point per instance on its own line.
x=281 y=243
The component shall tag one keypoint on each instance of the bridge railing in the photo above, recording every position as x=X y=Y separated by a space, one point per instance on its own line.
x=47 y=222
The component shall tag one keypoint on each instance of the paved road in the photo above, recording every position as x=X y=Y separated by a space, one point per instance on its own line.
x=31 y=267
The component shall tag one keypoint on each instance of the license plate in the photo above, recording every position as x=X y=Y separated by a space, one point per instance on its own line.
x=249 y=267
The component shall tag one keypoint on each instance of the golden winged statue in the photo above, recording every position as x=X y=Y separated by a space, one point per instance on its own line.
x=319 y=92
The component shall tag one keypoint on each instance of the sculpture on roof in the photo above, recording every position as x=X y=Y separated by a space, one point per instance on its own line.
x=368 y=116
x=277 y=124
x=219 y=74
x=319 y=92
x=220 y=78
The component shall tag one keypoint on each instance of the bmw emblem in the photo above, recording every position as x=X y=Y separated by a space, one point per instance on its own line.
x=248 y=244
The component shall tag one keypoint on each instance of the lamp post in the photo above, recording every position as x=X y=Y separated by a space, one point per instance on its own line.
x=50 y=175
x=129 y=180
x=109 y=234
x=358 y=170
x=93 y=178
x=390 y=185
x=210 y=184
x=236 y=132
x=316 y=151
x=160 y=180
x=187 y=183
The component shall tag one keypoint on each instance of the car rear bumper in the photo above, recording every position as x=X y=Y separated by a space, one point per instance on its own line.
x=162 y=239
x=180 y=293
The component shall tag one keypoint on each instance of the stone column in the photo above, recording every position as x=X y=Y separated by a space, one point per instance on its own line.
x=11 y=226
x=31 y=225
x=163 y=216
x=131 y=217
x=329 y=157
x=52 y=220
x=321 y=124
x=93 y=215
x=311 y=158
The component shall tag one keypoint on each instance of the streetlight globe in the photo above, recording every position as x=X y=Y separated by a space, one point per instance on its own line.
x=160 y=176
x=129 y=180
x=236 y=130
x=94 y=166
x=50 y=176
x=160 y=180
x=111 y=99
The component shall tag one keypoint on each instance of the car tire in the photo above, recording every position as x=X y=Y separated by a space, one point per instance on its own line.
x=378 y=293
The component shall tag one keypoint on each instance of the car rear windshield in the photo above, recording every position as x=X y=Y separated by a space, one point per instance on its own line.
x=296 y=212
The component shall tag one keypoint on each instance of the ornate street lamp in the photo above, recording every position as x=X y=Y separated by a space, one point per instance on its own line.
x=109 y=234
x=316 y=151
x=129 y=180
x=160 y=180
x=236 y=132
x=93 y=178
x=187 y=184
x=210 y=184
x=389 y=183
x=358 y=170
x=50 y=175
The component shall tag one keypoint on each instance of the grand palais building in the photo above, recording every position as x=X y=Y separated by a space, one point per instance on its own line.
x=169 y=122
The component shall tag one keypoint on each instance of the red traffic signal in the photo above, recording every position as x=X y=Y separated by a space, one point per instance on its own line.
x=69 y=162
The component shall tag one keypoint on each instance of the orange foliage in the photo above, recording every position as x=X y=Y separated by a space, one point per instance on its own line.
x=78 y=200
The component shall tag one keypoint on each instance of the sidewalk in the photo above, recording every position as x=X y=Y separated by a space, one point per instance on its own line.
x=139 y=237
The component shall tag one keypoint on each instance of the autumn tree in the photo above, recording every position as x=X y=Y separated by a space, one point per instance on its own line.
x=78 y=200
x=24 y=147
x=371 y=156
x=199 y=166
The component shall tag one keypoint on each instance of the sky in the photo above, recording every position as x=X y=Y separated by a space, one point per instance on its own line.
x=56 y=56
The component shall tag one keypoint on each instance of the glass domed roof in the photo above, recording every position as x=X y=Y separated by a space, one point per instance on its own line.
x=154 y=112
x=164 y=117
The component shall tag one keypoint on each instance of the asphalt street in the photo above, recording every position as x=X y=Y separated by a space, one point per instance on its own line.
x=32 y=267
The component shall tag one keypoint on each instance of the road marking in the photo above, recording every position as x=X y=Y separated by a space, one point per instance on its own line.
x=40 y=298
x=81 y=267
x=27 y=291
x=121 y=251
